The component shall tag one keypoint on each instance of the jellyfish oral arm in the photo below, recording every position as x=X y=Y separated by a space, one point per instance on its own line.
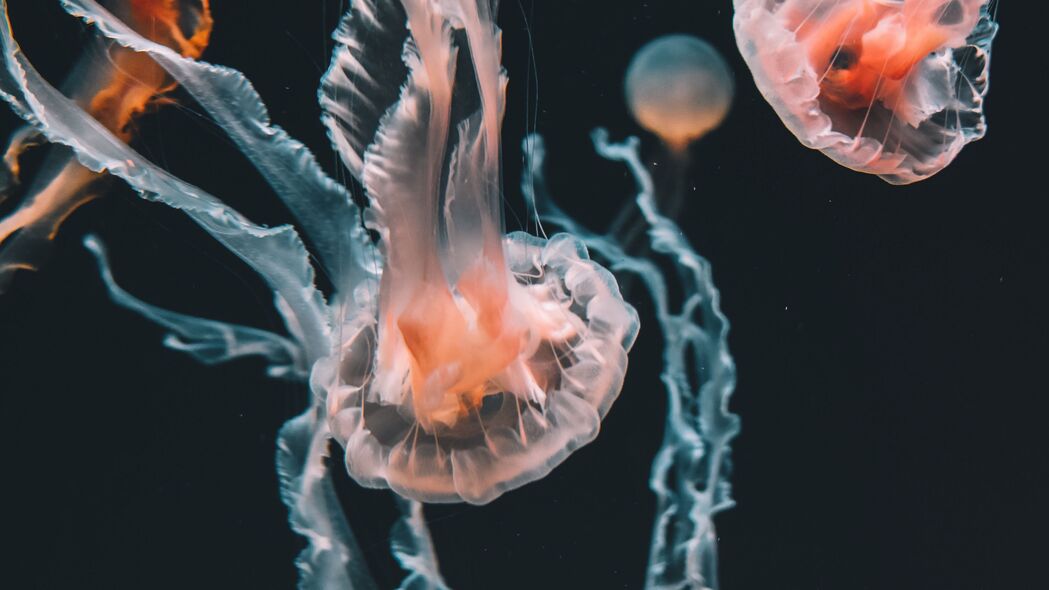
x=332 y=559
x=442 y=296
x=36 y=221
x=277 y=254
x=114 y=86
x=208 y=341
x=322 y=207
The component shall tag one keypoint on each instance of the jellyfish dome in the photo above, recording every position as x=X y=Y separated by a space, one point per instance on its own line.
x=888 y=87
x=679 y=87
x=478 y=361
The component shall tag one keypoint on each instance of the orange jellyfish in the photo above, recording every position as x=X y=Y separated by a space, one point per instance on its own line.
x=483 y=360
x=114 y=85
x=888 y=87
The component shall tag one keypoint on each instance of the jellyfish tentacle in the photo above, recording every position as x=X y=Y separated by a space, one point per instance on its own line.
x=52 y=199
x=277 y=254
x=689 y=472
x=413 y=547
x=322 y=207
x=365 y=76
x=209 y=341
x=21 y=141
x=332 y=558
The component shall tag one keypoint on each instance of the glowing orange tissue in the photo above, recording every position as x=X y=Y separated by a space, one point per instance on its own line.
x=114 y=85
x=889 y=87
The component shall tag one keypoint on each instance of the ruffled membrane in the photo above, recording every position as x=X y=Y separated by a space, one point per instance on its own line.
x=888 y=87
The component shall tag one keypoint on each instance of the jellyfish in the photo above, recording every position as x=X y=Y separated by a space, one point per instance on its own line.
x=452 y=361
x=887 y=87
x=483 y=360
x=115 y=86
x=680 y=88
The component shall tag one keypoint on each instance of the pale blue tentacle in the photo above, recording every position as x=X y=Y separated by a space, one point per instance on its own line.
x=689 y=473
x=324 y=208
x=413 y=548
x=332 y=559
x=277 y=254
x=209 y=341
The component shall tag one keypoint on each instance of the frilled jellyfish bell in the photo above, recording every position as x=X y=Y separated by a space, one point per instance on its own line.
x=479 y=361
x=889 y=87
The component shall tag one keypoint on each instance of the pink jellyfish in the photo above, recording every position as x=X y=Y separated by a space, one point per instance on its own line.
x=114 y=85
x=483 y=360
x=889 y=87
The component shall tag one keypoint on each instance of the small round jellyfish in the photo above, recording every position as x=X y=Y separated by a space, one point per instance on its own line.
x=888 y=87
x=680 y=88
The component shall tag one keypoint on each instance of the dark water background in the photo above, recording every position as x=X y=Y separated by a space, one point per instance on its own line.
x=891 y=343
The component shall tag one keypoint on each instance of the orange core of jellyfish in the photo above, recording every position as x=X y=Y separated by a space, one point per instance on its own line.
x=458 y=340
x=136 y=81
x=867 y=48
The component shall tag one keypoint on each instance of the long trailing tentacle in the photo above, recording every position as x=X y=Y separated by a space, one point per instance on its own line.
x=62 y=188
x=323 y=208
x=689 y=473
x=277 y=254
x=413 y=548
x=332 y=558
x=208 y=341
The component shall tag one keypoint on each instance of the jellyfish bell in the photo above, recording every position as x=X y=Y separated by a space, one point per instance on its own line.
x=680 y=88
x=888 y=87
x=478 y=361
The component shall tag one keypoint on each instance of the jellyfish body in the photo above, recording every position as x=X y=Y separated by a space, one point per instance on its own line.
x=680 y=88
x=888 y=87
x=474 y=362
x=114 y=85
x=484 y=360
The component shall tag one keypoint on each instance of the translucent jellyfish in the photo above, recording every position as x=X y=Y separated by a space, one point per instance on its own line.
x=483 y=361
x=889 y=87
x=115 y=86
x=478 y=361
x=680 y=88
x=452 y=362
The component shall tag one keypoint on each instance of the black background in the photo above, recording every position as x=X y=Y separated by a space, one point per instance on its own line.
x=890 y=343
